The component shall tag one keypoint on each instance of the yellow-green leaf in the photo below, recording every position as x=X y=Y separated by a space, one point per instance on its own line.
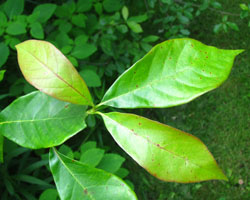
x=47 y=69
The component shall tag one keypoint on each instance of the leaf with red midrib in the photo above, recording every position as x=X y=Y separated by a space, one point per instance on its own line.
x=47 y=69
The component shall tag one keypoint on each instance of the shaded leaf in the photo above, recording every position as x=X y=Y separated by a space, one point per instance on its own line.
x=172 y=73
x=88 y=145
x=66 y=150
x=49 y=194
x=44 y=121
x=2 y=74
x=150 y=38
x=112 y=5
x=111 y=162
x=4 y=52
x=91 y=78
x=13 y=7
x=83 y=5
x=135 y=27
x=125 y=12
x=51 y=72
x=92 y=157
x=75 y=180
x=3 y=19
x=45 y=11
x=83 y=51
x=16 y=28
x=165 y=152
x=37 y=30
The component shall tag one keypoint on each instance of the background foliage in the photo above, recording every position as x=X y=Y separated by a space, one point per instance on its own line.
x=102 y=39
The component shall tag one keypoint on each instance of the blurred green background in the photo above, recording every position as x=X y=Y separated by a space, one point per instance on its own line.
x=102 y=38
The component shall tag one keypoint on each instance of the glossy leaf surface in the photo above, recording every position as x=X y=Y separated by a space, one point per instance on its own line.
x=75 y=180
x=37 y=120
x=172 y=73
x=47 y=69
x=165 y=152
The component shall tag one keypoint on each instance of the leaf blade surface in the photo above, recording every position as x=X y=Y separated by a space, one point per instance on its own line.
x=75 y=180
x=47 y=69
x=172 y=73
x=167 y=153
x=38 y=121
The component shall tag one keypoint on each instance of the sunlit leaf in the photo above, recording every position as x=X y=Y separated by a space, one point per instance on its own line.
x=75 y=180
x=167 y=153
x=172 y=73
x=37 y=121
x=47 y=69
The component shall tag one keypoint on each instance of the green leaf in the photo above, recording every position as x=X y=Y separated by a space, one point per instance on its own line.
x=75 y=180
x=49 y=194
x=45 y=11
x=66 y=150
x=37 y=30
x=172 y=73
x=84 y=51
x=165 y=152
x=125 y=13
x=135 y=27
x=16 y=28
x=233 y=26
x=38 y=121
x=4 y=52
x=79 y=20
x=139 y=18
x=83 y=5
x=81 y=39
x=1 y=148
x=91 y=78
x=3 y=19
x=150 y=38
x=13 y=7
x=243 y=6
x=112 y=5
x=111 y=162
x=2 y=74
x=51 y=72
x=92 y=157
x=88 y=145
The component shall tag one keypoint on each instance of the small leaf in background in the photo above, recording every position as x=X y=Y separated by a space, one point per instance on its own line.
x=233 y=26
x=66 y=150
x=2 y=74
x=3 y=19
x=91 y=121
x=125 y=12
x=91 y=78
x=84 y=51
x=4 y=52
x=63 y=39
x=122 y=173
x=135 y=27
x=88 y=145
x=86 y=182
x=146 y=47
x=49 y=194
x=45 y=11
x=36 y=30
x=157 y=80
x=165 y=152
x=44 y=121
x=13 y=7
x=65 y=26
x=16 y=28
x=185 y=32
x=83 y=5
x=13 y=42
x=1 y=148
x=111 y=162
x=67 y=49
x=79 y=20
x=73 y=60
x=139 y=18
x=243 y=6
x=217 y=28
x=33 y=17
x=51 y=72
x=98 y=8
x=150 y=38
x=122 y=28
x=112 y=5
x=92 y=157
x=81 y=39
